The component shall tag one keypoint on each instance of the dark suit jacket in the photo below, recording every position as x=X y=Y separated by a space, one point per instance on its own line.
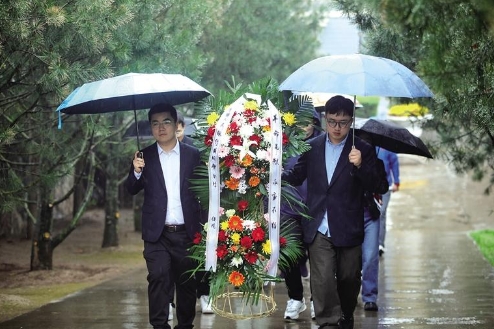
x=343 y=197
x=155 y=195
x=187 y=140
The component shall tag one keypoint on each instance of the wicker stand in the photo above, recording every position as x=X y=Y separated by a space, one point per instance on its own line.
x=233 y=304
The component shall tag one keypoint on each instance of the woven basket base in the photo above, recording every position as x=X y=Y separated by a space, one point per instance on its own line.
x=234 y=305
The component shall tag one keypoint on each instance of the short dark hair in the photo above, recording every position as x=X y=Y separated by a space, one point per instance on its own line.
x=180 y=119
x=163 y=108
x=339 y=105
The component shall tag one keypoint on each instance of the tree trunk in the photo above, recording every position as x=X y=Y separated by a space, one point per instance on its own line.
x=110 y=236
x=42 y=246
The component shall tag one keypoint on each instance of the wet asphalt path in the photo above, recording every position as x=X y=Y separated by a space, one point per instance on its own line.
x=431 y=275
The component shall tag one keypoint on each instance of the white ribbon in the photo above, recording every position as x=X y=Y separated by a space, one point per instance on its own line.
x=215 y=186
x=275 y=188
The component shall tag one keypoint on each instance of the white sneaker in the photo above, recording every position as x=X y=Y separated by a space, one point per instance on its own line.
x=294 y=308
x=170 y=313
x=312 y=312
x=206 y=305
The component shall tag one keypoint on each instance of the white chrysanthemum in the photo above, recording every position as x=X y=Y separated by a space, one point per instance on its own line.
x=246 y=131
x=267 y=136
x=225 y=140
x=230 y=213
x=262 y=155
x=256 y=123
x=249 y=224
x=237 y=261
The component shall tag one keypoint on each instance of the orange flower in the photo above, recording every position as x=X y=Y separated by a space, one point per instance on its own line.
x=236 y=278
x=235 y=223
x=232 y=183
x=254 y=181
x=247 y=160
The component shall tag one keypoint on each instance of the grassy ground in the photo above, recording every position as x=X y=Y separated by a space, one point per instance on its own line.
x=485 y=241
x=79 y=263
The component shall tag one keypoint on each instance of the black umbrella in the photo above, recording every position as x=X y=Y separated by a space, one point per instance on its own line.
x=131 y=92
x=391 y=136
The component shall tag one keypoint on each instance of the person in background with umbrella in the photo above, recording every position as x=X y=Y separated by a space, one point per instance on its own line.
x=291 y=217
x=392 y=168
x=370 y=246
x=171 y=216
x=338 y=171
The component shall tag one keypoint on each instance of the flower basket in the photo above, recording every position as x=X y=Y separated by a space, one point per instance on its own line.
x=234 y=304
x=245 y=142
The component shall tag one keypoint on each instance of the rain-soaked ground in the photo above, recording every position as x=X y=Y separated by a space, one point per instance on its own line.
x=431 y=275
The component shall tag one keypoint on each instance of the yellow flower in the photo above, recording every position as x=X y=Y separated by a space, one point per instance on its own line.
x=212 y=118
x=266 y=247
x=236 y=239
x=251 y=105
x=224 y=225
x=289 y=118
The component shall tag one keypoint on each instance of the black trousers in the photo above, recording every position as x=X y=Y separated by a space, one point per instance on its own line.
x=167 y=265
x=335 y=277
x=293 y=277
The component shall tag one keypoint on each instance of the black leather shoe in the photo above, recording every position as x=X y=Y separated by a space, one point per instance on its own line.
x=371 y=306
x=346 y=323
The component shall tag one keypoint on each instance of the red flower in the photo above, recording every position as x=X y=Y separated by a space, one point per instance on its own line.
x=283 y=241
x=285 y=139
x=229 y=161
x=258 y=234
x=248 y=113
x=256 y=138
x=221 y=251
x=251 y=257
x=246 y=242
x=197 y=238
x=208 y=141
x=222 y=236
x=236 y=140
x=233 y=128
x=242 y=205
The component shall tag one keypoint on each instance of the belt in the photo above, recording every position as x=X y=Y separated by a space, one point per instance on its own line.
x=174 y=228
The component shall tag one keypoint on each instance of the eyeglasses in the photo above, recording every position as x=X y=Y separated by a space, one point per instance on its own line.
x=165 y=123
x=341 y=124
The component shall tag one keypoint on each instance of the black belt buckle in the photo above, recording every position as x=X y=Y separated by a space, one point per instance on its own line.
x=174 y=228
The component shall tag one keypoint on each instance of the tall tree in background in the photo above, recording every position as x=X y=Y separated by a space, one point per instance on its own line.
x=46 y=50
x=450 y=44
x=257 y=38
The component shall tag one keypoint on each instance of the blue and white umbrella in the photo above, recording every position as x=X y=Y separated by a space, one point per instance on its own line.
x=131 y=92
x=356 y=74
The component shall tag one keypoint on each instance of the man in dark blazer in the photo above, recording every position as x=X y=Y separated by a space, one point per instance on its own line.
x=337 y=174
x=171 y=215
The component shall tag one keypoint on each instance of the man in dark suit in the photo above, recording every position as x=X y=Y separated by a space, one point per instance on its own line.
x=171 y=215
x=337 y=174
x=181 y=131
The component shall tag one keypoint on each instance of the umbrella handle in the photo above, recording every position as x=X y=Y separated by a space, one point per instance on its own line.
x=137 y=133
x=353 y=125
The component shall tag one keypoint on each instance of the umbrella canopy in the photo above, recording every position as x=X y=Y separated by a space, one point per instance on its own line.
x=391 y=136
x=131 y=91
x=356 y=74
x=320 y=99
